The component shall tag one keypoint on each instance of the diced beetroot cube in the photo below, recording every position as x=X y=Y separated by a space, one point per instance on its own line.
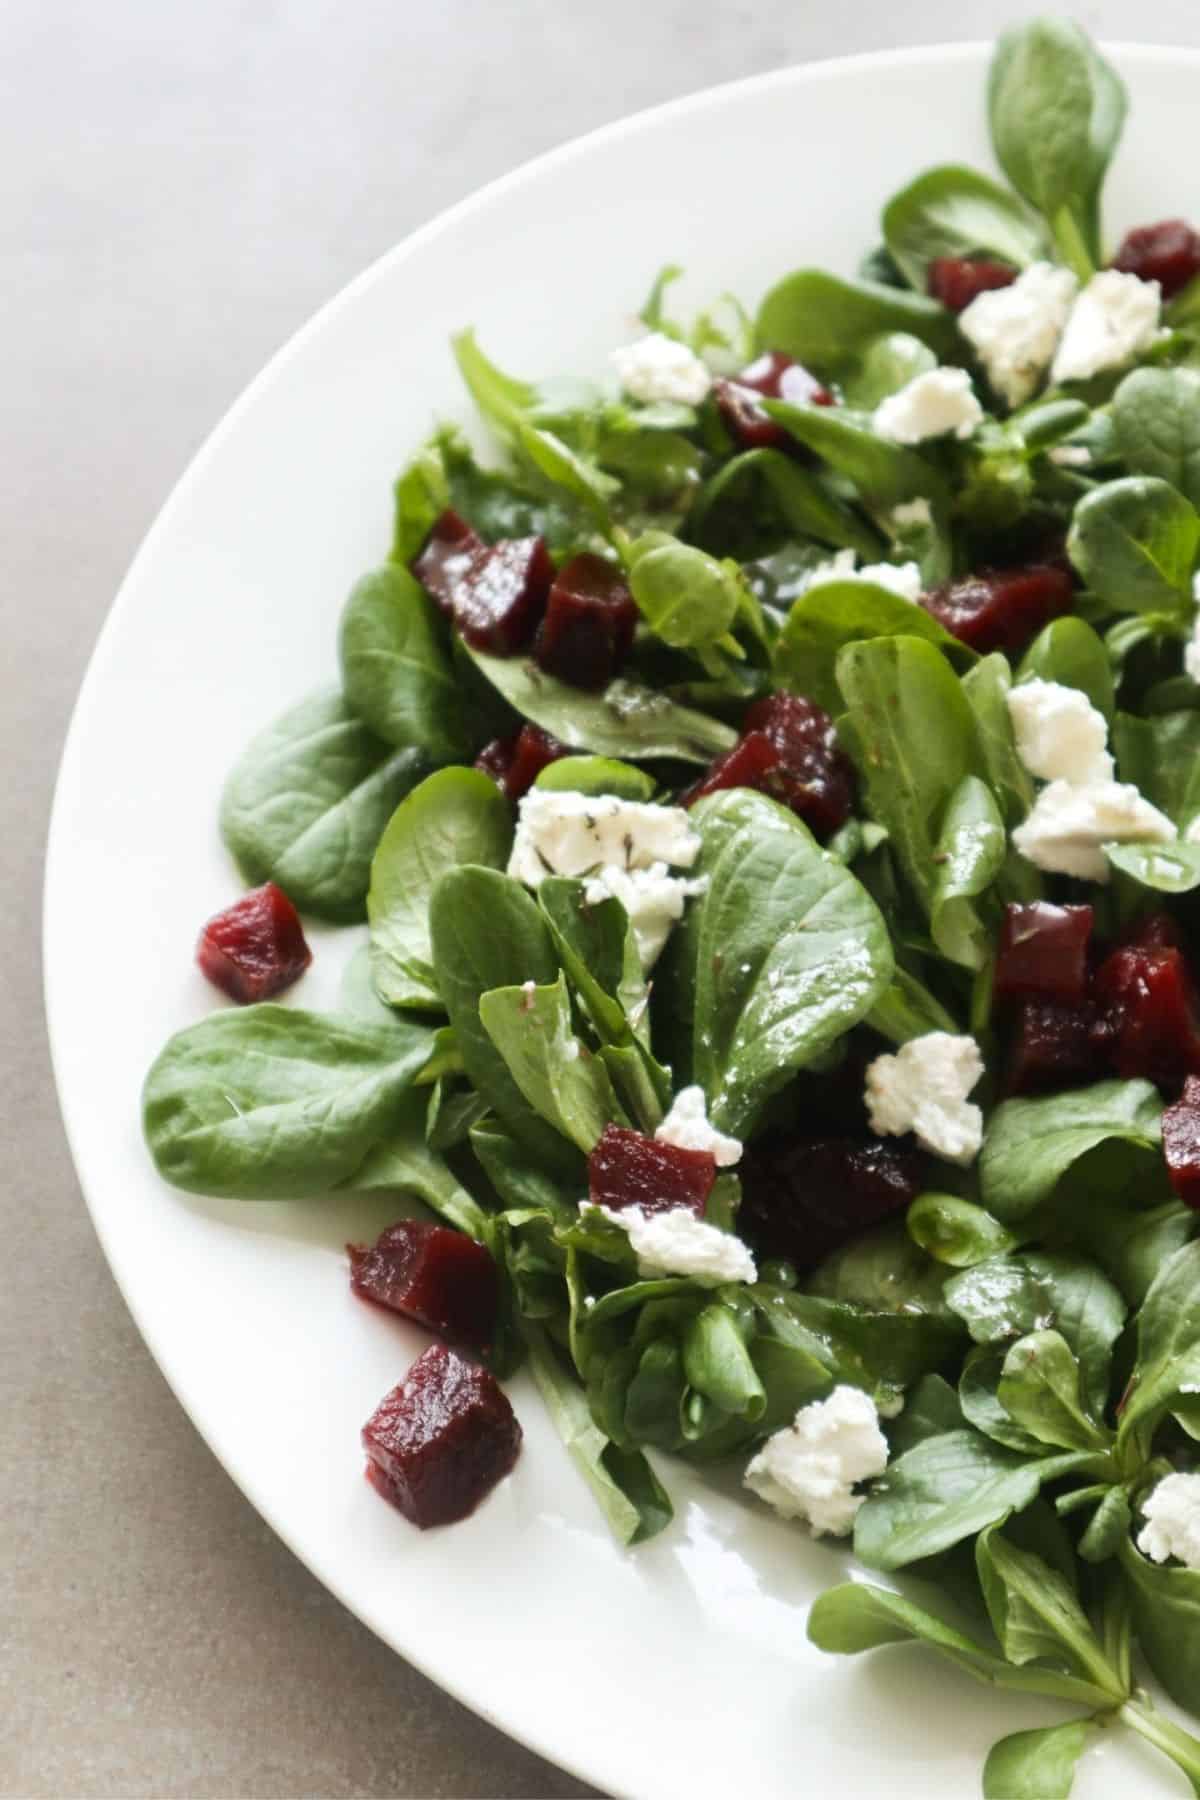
x=788 y=750
x=957 y=280
x=501 y=595
x=804 y=1197
x=1168 y=253
x=779 y=377
x=438 y=1443
x=1001 y=609
x=256 y=947
x=514 y=763
x=1056 y=1044
x=744 y=419
x=1150 y=999
x=1153 y=931
x=1043 y=952
x=441 y=1278
x=1181 y=1143
x=629 y=1169
x=446 y=557
x=590 y=618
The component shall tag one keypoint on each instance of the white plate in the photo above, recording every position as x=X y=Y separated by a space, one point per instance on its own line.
x=681 y=1668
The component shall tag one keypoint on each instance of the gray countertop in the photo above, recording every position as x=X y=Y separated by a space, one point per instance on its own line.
x=179 y=189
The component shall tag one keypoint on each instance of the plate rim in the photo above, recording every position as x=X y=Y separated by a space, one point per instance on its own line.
x=715 y=95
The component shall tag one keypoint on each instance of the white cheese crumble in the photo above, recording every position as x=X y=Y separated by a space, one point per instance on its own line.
x=903 y=579
x=653 y=899
x=1068 y=824
x=809 y=1469
x=1071 y=456
x=1172 y=1514
x=1114 y=319
x=910 y=513
x=924 y=1088
x=1015 y=330
x=929 y=406
x=1059 y=734
x=676 y=1242
x=687 y=1127
x=1191 y=654
x=657 y=367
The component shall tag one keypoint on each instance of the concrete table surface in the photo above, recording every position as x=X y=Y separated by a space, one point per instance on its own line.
x=179 y=189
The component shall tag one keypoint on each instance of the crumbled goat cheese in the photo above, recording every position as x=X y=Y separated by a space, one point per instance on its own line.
x=924 y=1088
x=1191 y=654
x=1172 y=1514
x=903 y=579
x=1015 y=330
x=911 y=512
x=653 y=899
x=809 y=1469
x=687 y=1127
x=676 y=1242
x=1059 y=734
x=1114 y=319
x=624 y=847
x=1068 y=824
x=929 y=406
x=1071 y=456
x=657 y=367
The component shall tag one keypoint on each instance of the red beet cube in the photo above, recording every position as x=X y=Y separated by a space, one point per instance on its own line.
x=628 y=1169
x=1150 y=999
x=1042 y=953
x=501 y=594
x=256 y=947
x=1154 y=931
x=1056 y=1044
x=788 y=750
x=744 y=419
x=514 y=763
x=445 y=558
x=770 y=377
x=1168 y=253
x=1181 y=1143
x=438 y=1443
x=1001 y=609
x=590 y=618
x=804 y=1197
x=441 y=1278
x=957 y=280
x=778 y=377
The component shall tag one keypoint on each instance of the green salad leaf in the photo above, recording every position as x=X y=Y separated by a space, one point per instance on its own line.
x=953 y=211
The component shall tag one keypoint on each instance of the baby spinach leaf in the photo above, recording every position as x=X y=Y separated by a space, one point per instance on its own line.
x=455 y=816
x=358 y=993
x=1163 y=868
x=971 y=849
x=1156 y=417
x=944 y=1490
x=625 y=720
x=486 y=932
x=1056 y=109
x=421 y=494
x=305 y=803
x=1161 y=756
x=272 y=1102
x=823 y=320
x=396 y=669
x=752 y=500
x=1134 y=541
x=911 y=733
x=1166 y=1618
x=1034 y=1613
x=985 y=688
x=953 y=211
x=789 y=953
x=531 y=1028
x=908 y=1010
x=1037 y=1764
x=1030 y=1144
x=979 y=1399
x=718 y=1364
x=883 y=1271
x=1168 y=1345
x=887 y=363
x=836 y=613
x=1107 y=1527
x=599 y=953
x=405 y=1161
x=596 y=775
x=956 y=1231
x=1040 y=1388
x=1070 y=652
x=856 y=1616
x=626 y=1488
x=883 y=472
x=524 y=1186
x=931 y=1408
x=686 y=597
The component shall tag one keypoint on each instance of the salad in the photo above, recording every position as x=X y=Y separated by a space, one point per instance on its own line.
x=771 y=782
